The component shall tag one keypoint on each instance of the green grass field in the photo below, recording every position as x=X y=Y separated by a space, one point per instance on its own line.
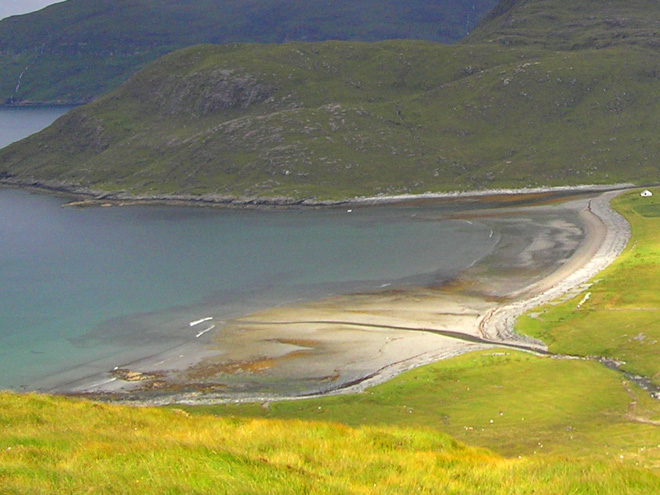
x=54 y=445
x=621 y=318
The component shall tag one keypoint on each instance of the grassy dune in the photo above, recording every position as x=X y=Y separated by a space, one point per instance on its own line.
x=55 y=445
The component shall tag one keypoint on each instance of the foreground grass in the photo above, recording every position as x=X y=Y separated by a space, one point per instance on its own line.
x=514 y=403
x=57 y=445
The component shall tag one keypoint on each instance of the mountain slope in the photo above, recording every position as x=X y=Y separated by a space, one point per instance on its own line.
x=79 y=49
x=334 y=120
x=570 y=25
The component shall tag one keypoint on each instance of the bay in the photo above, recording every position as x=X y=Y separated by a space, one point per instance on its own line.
x=76 y=283
x=85 y=289
x=17 y=123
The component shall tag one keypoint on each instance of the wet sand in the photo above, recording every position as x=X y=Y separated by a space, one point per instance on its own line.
x=344 y=344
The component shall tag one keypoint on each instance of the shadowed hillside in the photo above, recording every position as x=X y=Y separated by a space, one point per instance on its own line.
x=79 y=49
x=334 y=120
x=571 y=25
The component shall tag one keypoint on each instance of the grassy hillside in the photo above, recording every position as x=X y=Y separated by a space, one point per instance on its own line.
x=571 y=25
x=79 y=49
x=335 y=120
x=53 y=445
x=513 y=403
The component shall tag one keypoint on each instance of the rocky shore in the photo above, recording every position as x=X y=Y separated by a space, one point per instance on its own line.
x=84 y=196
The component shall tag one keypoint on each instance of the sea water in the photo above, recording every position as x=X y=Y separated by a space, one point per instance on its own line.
x=80 y=284
x=84 y=287
x=19 y=122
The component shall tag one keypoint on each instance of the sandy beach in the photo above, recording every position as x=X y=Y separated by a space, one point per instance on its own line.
x=343 y=344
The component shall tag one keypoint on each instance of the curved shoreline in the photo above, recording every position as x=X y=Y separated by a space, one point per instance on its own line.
x=607 y=235
x=85 y=196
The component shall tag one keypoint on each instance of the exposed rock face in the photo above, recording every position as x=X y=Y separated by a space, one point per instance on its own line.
x=208 y=92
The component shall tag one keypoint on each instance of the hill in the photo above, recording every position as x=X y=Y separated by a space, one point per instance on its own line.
x=77 y=50
x=55 y=445
x=571 y=25
x=334 y=120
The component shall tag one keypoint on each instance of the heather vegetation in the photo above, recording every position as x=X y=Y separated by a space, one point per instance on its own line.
x=333 y=120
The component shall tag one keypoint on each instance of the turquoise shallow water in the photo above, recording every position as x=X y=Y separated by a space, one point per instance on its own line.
x=80 y=284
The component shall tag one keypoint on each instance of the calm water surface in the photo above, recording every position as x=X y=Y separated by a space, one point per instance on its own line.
x=19 y=122
x=79 y=285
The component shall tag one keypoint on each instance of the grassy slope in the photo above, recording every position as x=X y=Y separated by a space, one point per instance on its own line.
x=333 y=120
x=79 y=49
x=571 y=24
x=54 y=445
x=536 y=404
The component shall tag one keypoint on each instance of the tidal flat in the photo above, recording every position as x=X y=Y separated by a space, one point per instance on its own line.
x=345 y=341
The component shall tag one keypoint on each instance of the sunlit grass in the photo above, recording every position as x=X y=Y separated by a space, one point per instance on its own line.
x=56 y=445
x=536 y=404
x=564 y=426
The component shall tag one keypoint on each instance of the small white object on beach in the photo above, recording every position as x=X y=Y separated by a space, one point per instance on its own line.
x=204 y=331
x=197 y=322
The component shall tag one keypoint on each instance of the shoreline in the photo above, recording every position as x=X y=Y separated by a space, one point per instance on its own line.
x=418 y=319
x=87 y=197
x=610 y=233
